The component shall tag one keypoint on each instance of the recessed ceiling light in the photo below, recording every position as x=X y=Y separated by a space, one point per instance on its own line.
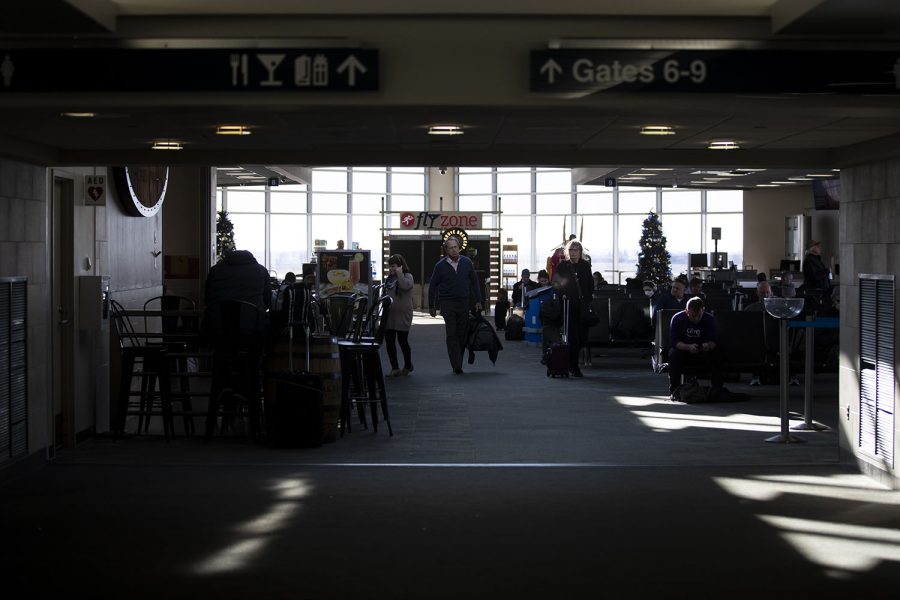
x=799 y=179
x=722 y=145
x=167 y=145
x=785 y=182
x=232 y=130
x=767 y=185
x=250 y=177
x=836 y=170
x=657 y=130
x=748 y=170
x=79 y=115
x=657 y=169
x=819 y=175
x=445 y=130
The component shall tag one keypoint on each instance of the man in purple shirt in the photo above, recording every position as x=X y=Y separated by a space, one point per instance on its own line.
x=694 y=340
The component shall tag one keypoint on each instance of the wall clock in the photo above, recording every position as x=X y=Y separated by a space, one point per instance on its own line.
x=141 y=189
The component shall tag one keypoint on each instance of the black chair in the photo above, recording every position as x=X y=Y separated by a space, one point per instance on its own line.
x=236 y=332
x=179 y=335
x=742 y=340
x=630 y=322
x=150 y=363
x=362 y=374
x=343 y=311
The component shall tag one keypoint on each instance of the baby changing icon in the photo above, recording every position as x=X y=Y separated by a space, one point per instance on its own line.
x=7 y=68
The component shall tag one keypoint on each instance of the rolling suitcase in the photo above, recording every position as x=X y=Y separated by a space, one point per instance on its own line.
x=294 y=403
x=557 y=353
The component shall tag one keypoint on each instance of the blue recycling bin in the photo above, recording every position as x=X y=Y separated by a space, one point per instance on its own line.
x=533 y=326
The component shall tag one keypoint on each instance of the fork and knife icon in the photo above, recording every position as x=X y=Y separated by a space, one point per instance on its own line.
x=239 y=68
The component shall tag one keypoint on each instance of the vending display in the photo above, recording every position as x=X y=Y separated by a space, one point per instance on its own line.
x=343 y=271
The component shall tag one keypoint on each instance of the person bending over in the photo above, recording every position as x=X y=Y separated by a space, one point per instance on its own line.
x=694 y=341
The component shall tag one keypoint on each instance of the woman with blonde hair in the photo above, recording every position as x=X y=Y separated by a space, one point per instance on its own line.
x=399 y=287
x=577 y=283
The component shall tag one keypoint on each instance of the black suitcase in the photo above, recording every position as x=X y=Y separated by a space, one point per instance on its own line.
x=515 y=328
x=557 y=354
x=294 y=403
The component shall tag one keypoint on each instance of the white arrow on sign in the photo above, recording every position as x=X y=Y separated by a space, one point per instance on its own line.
x=352 y=66
x=552 y=68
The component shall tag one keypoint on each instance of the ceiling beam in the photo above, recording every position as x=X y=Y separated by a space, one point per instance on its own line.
x=102 y=12
x=786 y=12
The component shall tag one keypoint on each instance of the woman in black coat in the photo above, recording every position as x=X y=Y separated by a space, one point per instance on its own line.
x=576 y=281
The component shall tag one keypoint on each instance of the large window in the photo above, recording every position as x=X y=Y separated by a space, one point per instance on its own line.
x=539 y=208
x=281 y=224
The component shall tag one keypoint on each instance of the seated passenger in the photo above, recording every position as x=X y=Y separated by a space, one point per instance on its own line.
x=672 y=299
x=694 y=338
x=696 y=288
x=763 y=291
x=239 y=277
x=788 y=287
x=599 y=280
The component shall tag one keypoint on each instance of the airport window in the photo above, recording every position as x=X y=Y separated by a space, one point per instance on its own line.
x=280 y=224
x=538 y=208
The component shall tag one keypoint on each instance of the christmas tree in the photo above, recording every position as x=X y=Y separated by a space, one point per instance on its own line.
x=224 y=235
x=654 y=262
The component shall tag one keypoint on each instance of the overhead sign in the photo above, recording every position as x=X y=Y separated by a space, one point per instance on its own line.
x=189 y=70
x=440 y=220
x=95 y=190
x=716 y=71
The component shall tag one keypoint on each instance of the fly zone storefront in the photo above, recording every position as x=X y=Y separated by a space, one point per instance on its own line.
x=419 y=237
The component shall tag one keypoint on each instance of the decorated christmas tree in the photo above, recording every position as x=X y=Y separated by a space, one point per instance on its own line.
x=224 y=235
x=654 y=261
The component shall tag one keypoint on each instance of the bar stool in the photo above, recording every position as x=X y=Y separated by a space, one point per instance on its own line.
x=235 y=328
x=150 y=363
x=361 y=367
x=176 y=330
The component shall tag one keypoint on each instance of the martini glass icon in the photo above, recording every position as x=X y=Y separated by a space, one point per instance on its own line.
x=270 y=62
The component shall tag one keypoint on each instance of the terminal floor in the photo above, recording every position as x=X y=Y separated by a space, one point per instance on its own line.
x=497 y=483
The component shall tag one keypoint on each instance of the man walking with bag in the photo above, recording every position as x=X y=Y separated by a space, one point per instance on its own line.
x=452 y=287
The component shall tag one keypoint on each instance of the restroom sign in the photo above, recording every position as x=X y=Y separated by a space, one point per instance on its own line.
x=95 y=190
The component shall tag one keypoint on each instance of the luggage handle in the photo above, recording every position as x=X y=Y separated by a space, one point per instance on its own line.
x=564 y=335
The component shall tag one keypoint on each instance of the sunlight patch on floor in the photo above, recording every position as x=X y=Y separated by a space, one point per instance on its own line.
x=838 y=545
x=767 y=490
x=258 y=530
x=674 y=422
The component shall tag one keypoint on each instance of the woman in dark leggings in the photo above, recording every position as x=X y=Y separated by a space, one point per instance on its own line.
x=399 y=286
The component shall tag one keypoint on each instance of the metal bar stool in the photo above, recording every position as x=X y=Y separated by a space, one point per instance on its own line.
x=361 y=367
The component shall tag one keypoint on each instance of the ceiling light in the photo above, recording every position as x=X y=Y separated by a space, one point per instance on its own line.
x=657 y=169
x=657 y=130
x=767 y=185
x=232 y=130
x=748 y=170
x=819 y=175
x=167 y=145
x=79 y=115
x=785 y=182
x=445 y=130
x=799 y=179
x=722 y=145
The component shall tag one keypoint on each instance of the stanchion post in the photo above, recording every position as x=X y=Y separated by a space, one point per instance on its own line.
x=808 y=424
x=785 y=436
